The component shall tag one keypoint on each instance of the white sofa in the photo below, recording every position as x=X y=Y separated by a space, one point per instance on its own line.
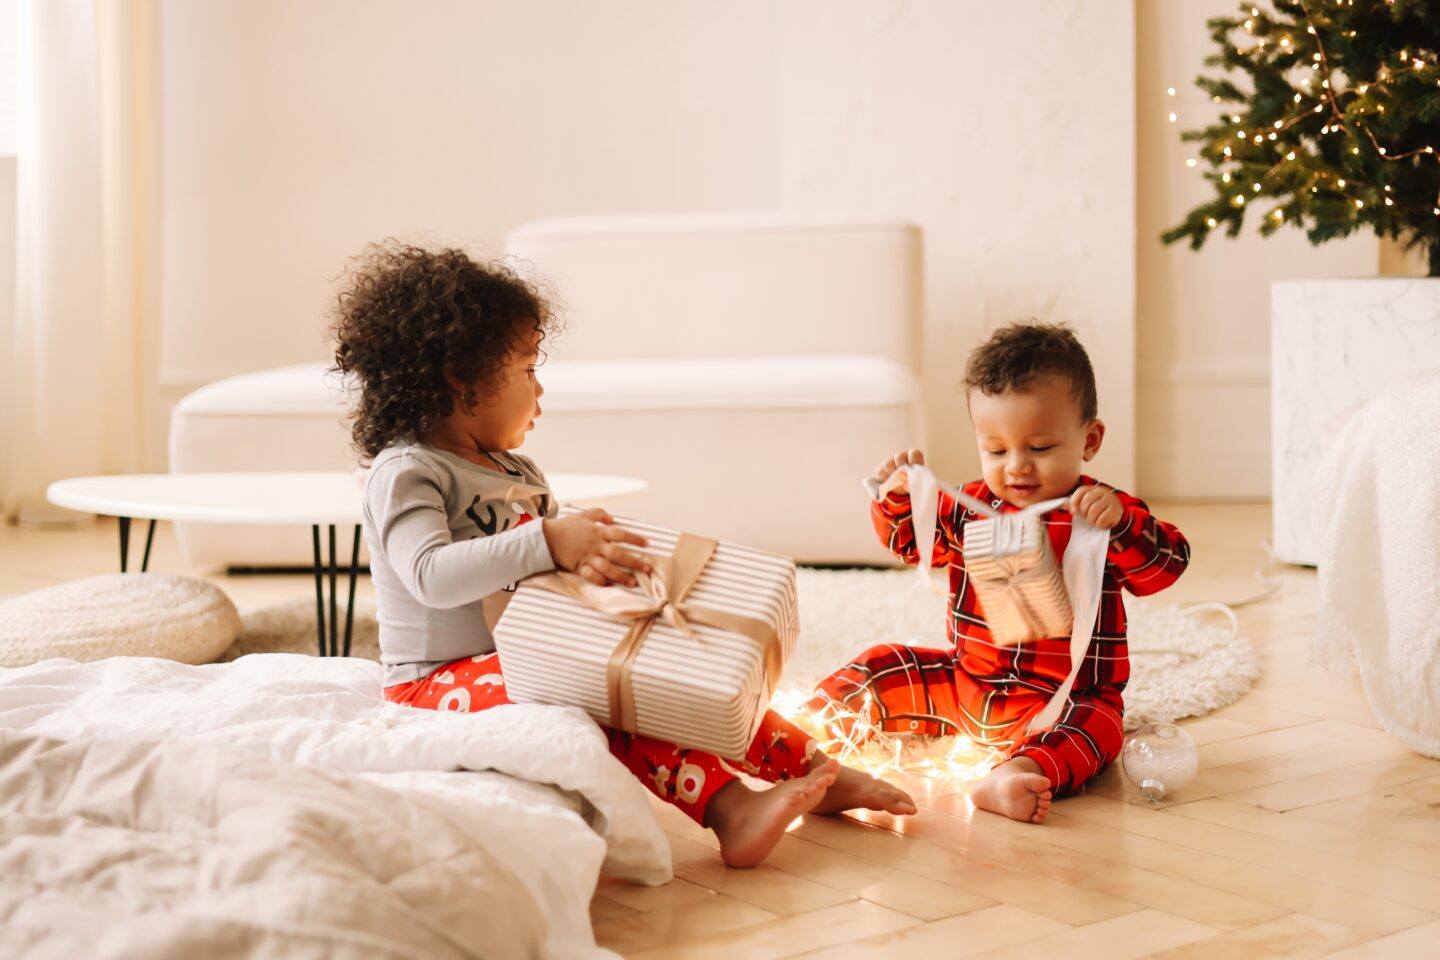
x=752 y=369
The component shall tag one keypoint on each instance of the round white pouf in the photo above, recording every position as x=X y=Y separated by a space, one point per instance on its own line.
x=118 y=615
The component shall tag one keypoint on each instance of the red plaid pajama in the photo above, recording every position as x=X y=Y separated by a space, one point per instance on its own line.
x=685 y=778
x=990 y=693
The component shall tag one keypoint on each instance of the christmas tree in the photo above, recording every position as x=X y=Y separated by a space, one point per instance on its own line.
x=1329 y=121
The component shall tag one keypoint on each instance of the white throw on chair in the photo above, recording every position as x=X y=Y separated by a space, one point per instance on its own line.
x=750 y=368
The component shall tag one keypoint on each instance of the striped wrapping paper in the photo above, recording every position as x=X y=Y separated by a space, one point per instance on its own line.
x=1020 y=585
x=707 y=692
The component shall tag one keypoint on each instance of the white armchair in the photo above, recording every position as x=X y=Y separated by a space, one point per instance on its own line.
x=751 y=369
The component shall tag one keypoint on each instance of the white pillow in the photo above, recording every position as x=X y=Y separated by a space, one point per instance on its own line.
x=119 y=615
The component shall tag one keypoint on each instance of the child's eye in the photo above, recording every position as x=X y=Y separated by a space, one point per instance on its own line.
x=996 y=453
x=1042 y=449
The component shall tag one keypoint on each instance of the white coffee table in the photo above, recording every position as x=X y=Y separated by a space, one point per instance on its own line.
x=305 y=499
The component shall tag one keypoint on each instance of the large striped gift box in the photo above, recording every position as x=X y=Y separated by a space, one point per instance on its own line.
x=691 y=656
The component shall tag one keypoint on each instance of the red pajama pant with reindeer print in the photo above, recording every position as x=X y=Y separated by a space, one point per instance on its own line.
x=990 y=693
x=685 y=778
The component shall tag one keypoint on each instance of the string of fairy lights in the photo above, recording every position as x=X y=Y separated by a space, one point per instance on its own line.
x=1320 y=94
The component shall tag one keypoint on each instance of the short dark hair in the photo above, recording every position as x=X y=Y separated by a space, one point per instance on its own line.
x=1018 y=354
x=407 y=316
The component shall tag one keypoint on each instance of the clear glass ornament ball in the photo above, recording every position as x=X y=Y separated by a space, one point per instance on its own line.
x=1159 y=758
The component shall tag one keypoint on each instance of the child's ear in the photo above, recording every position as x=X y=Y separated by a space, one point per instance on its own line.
x=462 y=393
x=1094 y=436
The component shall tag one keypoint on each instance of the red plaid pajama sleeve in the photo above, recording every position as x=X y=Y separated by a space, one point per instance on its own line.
x=990 y=693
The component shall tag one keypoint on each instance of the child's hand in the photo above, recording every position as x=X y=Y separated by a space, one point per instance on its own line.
x=889 y=467
x=1097 y=504
x=588 y=543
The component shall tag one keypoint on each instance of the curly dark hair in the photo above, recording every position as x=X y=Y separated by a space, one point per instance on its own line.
x=1017 y=355
x=406 y=316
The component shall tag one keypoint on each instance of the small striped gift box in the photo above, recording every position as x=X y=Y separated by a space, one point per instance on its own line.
x=1020 y=584
x=715 y=630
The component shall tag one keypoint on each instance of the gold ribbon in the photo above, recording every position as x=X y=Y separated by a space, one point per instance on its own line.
x=661 y=597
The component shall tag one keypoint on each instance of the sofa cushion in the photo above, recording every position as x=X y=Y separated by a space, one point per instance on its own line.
x=784 y=382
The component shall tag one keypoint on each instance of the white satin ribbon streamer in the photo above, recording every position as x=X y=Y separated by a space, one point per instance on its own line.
x=1083 y=564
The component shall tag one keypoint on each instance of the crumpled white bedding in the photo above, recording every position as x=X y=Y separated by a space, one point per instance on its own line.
x=278 y=806
x=1377 y=499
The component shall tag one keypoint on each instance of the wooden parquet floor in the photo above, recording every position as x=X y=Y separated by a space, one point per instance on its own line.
x=1309 y=833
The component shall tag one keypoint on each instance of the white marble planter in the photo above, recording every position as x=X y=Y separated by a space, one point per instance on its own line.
x=1334 y=345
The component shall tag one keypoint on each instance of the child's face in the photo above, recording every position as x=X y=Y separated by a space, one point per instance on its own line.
x=501 y=422
x=1032 y=443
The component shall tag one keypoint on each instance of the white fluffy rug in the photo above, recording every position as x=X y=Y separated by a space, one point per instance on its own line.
x=1183 y=664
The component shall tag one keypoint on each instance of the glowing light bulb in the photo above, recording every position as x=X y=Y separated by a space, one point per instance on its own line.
x=1211 y=222
x=1190 y=162
x=1173 y=118
x=1170 y=91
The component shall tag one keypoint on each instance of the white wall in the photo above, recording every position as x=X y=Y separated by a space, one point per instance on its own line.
x=1007 y=132
x=1204 y=317
x=295 y=132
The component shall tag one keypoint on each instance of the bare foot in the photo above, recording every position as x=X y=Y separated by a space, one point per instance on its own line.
x=855 y=790
x=1015 y=789
x=748 y=823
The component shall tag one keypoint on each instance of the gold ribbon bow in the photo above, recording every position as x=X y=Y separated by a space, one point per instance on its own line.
x=661 y=597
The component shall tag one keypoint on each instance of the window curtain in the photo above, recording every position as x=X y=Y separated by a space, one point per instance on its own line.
x=79 y=359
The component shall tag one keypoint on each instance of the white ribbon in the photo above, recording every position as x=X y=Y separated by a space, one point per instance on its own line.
x=1083 y=564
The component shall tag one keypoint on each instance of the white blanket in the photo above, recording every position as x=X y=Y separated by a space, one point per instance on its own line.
x=277 y=806
x=1378 y=506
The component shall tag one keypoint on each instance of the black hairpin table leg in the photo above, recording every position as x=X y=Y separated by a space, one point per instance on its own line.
x=327 y=627
x=350 y=604
x=319 y=589
x=125 y=545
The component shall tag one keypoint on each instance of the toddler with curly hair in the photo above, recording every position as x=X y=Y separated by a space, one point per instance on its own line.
x=444 y=350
